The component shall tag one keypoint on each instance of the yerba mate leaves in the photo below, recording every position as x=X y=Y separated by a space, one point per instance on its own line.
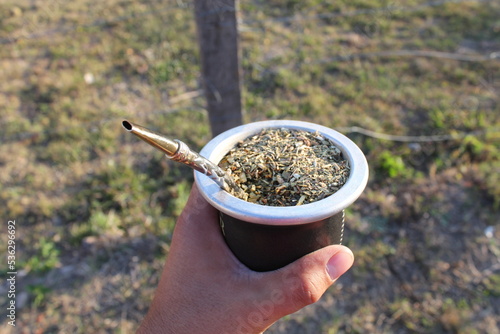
x=286 y=167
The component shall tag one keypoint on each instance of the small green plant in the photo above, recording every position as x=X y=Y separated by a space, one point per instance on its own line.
x=175 y=66
x=39 y=294
x=489 y=175
x=478 y=150
x=98 y=223
x=438 y=118
x=492 y=285
x=392 y=165
x=101 y=222
x=47 y=257
x=166 y=71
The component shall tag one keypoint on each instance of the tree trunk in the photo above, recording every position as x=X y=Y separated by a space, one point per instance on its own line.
x=218 y=40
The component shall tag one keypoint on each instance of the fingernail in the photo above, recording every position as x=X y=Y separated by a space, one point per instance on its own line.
x=339 y=264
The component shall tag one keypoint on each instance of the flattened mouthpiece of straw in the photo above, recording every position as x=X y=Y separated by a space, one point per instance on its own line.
x=127 y=125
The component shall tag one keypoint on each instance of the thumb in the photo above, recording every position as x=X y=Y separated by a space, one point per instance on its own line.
x=304 y=281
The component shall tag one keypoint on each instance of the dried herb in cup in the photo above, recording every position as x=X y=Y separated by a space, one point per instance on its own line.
x=286 y=167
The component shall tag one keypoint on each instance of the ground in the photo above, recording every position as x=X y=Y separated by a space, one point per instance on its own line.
x=415 y=84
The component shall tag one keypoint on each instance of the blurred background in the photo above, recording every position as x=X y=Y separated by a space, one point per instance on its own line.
x=414 y=83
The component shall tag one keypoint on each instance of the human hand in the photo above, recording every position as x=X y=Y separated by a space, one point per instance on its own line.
x=205 y=289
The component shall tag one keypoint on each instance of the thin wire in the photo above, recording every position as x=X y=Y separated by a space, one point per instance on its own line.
x=415 y=139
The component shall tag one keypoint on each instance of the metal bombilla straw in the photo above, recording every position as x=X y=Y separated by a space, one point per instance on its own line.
x=177 y=150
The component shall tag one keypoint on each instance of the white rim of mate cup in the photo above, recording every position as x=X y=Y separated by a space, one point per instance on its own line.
x=217 y=148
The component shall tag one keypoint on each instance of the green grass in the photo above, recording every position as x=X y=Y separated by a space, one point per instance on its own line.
x=47 y=257
x=96 y=208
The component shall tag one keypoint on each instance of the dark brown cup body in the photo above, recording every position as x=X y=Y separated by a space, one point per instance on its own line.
x=269 y=247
